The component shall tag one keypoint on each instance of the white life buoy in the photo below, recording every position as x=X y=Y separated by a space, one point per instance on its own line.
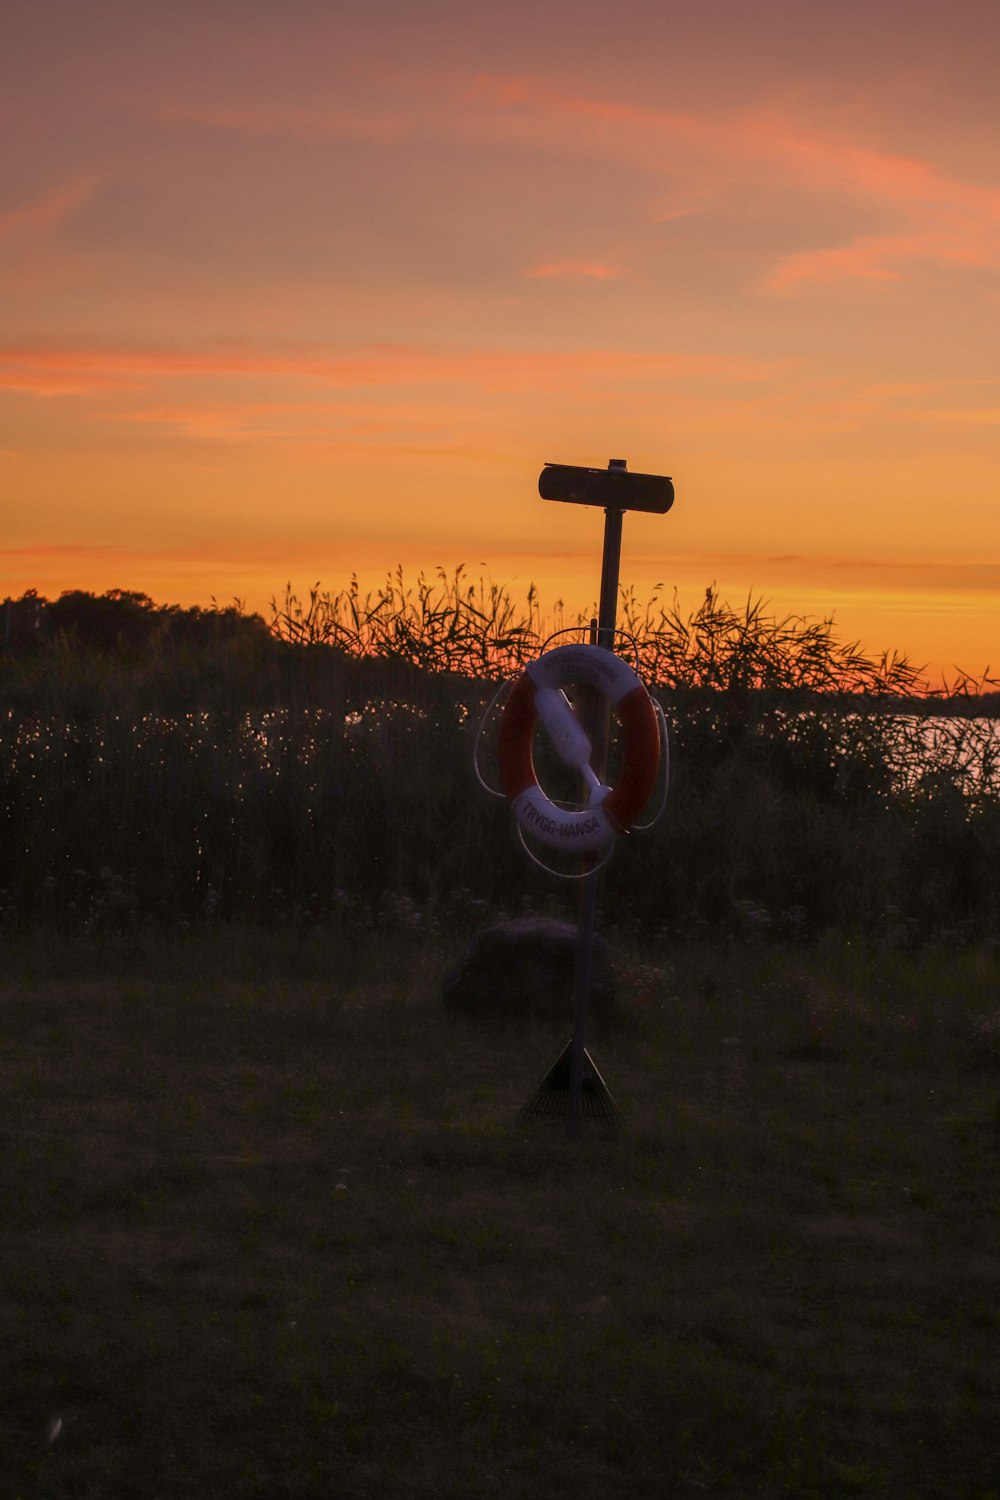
x=538 y=694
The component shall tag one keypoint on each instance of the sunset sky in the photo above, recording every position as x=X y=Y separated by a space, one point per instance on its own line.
x=293 y=289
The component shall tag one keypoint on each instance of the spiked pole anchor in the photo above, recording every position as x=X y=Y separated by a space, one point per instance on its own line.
x=551 y=1098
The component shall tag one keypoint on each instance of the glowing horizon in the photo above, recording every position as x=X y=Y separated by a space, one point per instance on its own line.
x=293 y=296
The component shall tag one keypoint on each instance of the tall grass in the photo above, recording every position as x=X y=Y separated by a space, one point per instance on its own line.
x=318 y=769
x=450 y=623
x=456 y=623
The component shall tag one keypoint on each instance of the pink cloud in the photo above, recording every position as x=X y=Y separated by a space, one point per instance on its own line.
x=943 y=220
x=573 y=270
x=295 y=124
x=889 y=257
x=527 y=93
x=868 y=259
x=48 y=210
x=705 y=154
x=78 y=370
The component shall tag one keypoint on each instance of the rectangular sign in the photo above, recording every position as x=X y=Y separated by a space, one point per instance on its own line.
x=613 y=488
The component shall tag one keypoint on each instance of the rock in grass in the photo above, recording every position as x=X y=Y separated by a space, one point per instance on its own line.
x=524 y=969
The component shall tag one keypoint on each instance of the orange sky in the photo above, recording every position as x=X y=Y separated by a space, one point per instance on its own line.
x=290 y=290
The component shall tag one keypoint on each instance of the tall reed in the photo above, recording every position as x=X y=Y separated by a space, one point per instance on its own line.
x=318 y=768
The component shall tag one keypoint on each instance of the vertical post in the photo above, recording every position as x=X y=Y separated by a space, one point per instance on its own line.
x=608 y=612
x=606 y=622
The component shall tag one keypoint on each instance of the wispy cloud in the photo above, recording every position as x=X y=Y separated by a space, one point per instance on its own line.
x=574 y=270
x=944 y=222
x=207 y=550
x=963 y=402
x=47 y=210
x=297 y=124
x=855 y=573
x=695 y=158
x=983 y=416
x=941 y=219
x=79 y=370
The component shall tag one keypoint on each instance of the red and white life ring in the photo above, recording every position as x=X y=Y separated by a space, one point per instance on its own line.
x=538 y=692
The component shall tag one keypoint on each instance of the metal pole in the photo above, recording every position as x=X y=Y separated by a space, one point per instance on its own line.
x=611 y=561
x=607 y=619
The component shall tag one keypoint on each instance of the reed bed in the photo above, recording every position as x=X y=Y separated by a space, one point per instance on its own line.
x=164 y=768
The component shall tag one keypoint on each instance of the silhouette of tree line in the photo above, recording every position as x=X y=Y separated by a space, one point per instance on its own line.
x=119 y=621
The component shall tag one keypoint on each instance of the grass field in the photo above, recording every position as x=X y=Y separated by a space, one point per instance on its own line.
x=272 y=1228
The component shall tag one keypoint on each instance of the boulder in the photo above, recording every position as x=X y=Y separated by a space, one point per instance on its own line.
x=525 y=970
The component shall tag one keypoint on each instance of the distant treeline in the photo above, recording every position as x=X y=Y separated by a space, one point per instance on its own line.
x=119 y=620
x=166 y=766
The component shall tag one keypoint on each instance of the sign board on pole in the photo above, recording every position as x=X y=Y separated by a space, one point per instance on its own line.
x=613 y=488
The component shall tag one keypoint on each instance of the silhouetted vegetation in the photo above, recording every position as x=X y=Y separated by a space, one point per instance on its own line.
x=162 y=766
x=273 y=1229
